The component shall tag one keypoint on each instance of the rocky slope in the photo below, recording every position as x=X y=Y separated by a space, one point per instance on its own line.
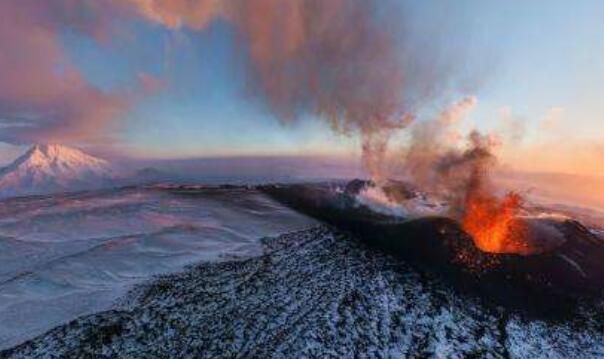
x=313 y=293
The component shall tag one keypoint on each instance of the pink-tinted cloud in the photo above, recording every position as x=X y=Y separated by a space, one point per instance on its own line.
x=195 y=14
x=43 y=96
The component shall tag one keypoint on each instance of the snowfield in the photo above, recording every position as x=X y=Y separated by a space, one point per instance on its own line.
x=266 y=282
x=70 y=255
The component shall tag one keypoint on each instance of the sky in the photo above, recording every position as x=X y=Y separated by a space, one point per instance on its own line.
x=535 y=68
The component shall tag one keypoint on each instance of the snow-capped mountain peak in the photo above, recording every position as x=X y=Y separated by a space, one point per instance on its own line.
x=53 y=168
x=52 y=158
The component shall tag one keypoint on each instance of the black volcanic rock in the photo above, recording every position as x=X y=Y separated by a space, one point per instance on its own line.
x=355 y=186
x=547 y=282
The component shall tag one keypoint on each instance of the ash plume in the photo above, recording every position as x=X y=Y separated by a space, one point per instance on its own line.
x=431 y=156
x=460 y=174
x=352 y=63
x=463 y=174
x=339 y=60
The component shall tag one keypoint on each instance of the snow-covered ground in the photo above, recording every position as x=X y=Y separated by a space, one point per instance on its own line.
x=313 y=293
x=75 y=281
x=66 y=256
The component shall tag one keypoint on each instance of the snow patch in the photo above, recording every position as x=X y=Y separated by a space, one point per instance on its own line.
x=421 y=205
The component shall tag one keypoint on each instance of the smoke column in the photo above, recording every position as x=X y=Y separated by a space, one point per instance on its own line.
x=431 y=142
x=342 y=61
x=338 y=60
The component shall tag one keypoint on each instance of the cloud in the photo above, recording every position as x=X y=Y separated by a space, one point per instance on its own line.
x=174 y=14
x=43 y=96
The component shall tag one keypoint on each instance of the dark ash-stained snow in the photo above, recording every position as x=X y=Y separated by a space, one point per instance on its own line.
x=312 y=293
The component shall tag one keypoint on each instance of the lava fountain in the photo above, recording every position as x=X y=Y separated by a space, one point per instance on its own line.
x=493 y=223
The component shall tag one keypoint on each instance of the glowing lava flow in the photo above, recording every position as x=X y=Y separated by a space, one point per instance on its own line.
x=492 y=222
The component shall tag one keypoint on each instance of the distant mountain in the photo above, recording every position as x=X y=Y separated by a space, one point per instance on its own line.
x=53 y=168
x=151 y=175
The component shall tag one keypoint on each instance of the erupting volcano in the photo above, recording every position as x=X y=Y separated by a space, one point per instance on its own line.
x=497 y=249
x=493 y=221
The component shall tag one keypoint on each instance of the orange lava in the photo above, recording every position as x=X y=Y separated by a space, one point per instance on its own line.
x=492 y=222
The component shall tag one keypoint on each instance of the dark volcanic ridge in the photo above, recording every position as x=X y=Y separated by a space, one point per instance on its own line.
x=547 y=284
x=313 y=293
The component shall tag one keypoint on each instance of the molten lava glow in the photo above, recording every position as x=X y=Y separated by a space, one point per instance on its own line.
x=492 y=222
